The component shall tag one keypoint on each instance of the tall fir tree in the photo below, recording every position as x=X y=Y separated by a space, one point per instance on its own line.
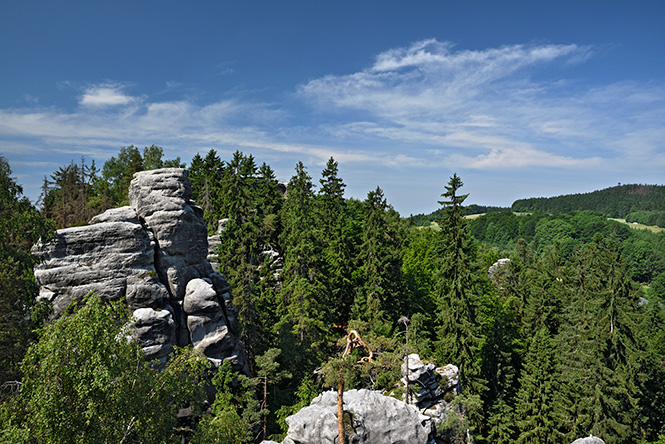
x=301 y=308
x=459 y=335
x=598 y=347
x=378 y=295
x=336 y=237
x=536 y=412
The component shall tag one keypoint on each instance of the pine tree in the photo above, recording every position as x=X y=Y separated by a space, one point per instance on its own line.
x=302 y=278
x=459 y=335
x=378 y=297
x=269 y=376
x=333 y=221
x=535 y=406
x=67 y=197
x=598 y=347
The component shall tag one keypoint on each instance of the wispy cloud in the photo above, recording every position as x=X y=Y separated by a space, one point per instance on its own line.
x=481 y=102
x=413 y=111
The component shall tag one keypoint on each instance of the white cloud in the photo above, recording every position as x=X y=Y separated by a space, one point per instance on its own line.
x=415 y=113
x=107 y=94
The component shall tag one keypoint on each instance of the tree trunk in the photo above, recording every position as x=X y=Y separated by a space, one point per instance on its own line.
x=265 y=406
x=340 y=410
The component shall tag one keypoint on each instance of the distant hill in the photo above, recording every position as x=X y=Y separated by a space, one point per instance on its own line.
x=618 y=201
x=424 y=220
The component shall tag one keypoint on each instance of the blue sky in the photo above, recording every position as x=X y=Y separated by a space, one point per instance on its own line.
x=519 y=98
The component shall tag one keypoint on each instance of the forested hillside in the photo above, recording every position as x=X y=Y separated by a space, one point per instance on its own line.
x=616 y=201
x=424 y=220
x=568 y=338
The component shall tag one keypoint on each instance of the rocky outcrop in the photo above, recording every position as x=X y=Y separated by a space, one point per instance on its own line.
x=152 y=254
x=589 y=440
x=499 y=271
x=432 y=391
x=432 y=388
x=372 y=418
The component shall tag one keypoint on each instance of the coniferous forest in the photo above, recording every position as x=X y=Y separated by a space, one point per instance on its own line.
x=568 y=339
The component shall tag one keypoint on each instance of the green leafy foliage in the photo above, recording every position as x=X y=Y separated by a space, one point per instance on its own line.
x=235 y=414
x=569 y=340
x=21 y=226
x=85 y=381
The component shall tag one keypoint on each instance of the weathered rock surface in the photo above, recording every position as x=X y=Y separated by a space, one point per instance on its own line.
x=434 y=389
x=162 y=199
x=374 y=418
x=377 y=418
x=589 y=440
x=498 y=271
x=153 y=254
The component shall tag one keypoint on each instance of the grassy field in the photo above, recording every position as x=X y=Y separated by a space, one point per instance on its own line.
x=435 y=226
x=640 y=226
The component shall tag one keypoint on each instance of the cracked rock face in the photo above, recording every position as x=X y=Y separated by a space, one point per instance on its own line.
x=153 y=254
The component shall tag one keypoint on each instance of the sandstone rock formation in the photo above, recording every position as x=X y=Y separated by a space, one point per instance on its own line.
x=498 y=272
x=589 y=440
x=151 y=253
x=378 y=418
x=434 y=387
x=373 y=417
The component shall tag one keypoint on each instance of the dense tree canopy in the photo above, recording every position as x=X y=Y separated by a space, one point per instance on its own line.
x=21 y=226
x=567 y=340
x=84 y=381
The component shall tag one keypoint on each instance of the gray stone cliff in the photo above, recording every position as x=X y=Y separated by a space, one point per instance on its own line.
x=152 y=254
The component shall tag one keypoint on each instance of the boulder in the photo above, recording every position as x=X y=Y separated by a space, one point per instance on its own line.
x=373 y=418
x=498 y=271
x=589 y=440
x=153 y=254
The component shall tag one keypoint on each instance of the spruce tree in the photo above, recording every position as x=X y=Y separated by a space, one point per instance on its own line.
x=240 y=247
x=333 y=221
x=598 y=347
x=459 y=335
x=301 y=308
x=378 y=296
x=206 y=176
x=535 y=407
